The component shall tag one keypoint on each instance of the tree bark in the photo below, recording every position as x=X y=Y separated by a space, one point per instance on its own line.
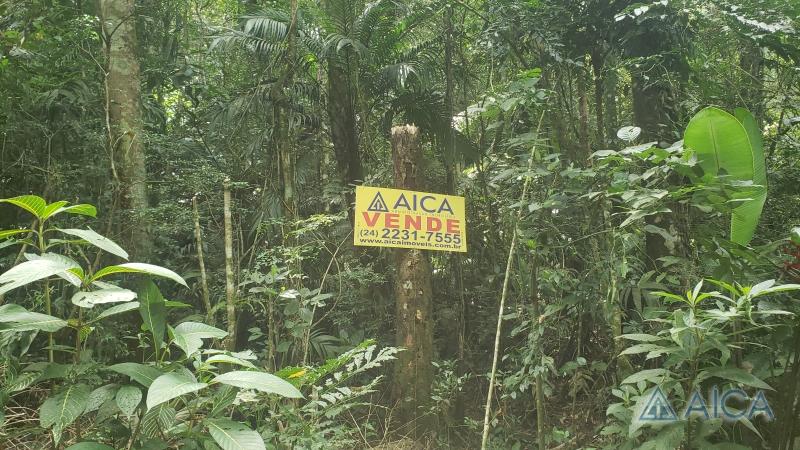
x=751 y=61
x=583 y=118
x=125 y=118
x=535 y=342
x=198 y=238
x=610 y=81
x=413 y=375
x=342 y=116
x=283 y=136
x=599 y=85
x=230 y=289
x=656 y=110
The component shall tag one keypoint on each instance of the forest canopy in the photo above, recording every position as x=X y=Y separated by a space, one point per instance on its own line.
x=346 y=224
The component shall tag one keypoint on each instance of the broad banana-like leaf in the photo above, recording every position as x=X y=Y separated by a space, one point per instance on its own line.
x=732 y=145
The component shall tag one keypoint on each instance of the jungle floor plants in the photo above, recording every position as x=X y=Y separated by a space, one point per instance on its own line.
x=177 y=393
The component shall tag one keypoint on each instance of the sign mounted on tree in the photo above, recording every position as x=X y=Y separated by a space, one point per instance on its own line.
x=408 y=219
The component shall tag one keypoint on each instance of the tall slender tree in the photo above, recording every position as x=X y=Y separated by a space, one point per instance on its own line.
x=124 y=118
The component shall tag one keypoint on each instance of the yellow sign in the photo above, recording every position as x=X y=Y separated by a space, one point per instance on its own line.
x=408 y=219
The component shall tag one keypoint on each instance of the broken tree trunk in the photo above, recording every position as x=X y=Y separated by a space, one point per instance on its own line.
x=413 y=373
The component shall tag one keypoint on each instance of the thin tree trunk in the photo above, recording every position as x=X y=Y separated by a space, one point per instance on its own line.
x=283 y=143
x=342 y=116
x=198 y=238
x=413 y=375
x=230 y=289
x=125 y=118
x=610 y=81
x=583 y=118
x=655 y=110
x=449 y=150
x=538 y=392
x=597 y=72
x=283 y=135
x=451 y=186
x=503 y=295
x=751 y=61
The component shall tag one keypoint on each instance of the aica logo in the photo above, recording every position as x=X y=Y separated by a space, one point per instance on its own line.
x=658 y=408
x=378 y=204
x=729 y=404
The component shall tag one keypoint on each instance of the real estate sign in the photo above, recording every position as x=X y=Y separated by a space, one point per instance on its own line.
x=408 y=219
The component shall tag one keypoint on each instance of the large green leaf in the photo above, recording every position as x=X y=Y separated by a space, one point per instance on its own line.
x=128 y=399
x=724 y=143
x=153 y=311
x=97 y=240
x=232 y=435
x=7 y=233
x=148 y=269
x=18 y=319
x=89 y=446
x=744 y=217
x=62 y=409
x=82 y=209
x=118 y=309
x=74 y=275
x=142 y=374
x=158 y=420
x=189 y=336
x=228 y=359
x=89 y=299
x=101 y=395
x=259 y=381
x=31 y=203
x=171 y=385
x=654 y=375
x=31 y=271
x=735 y=374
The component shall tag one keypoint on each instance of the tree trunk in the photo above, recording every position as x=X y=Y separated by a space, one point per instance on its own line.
x=198 y=237
x=413 y=374
x=751 y=60
x=610 y=81
x=284 y=137
x=599 y=85
x=342 y=116
x=656 y=111
x=653 y=107
x=125 y=118
x=583 y=119
x=449 y=148
x=535 y=342
x=230 y=289
x=283 y=143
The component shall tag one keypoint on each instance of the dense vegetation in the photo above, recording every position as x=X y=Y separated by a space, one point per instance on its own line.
x=177 y=267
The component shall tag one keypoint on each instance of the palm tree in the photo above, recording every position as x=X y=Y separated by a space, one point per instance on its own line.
x=371 y=64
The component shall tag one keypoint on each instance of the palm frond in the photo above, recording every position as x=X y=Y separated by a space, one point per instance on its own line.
x=270 y=26
x=335 y=43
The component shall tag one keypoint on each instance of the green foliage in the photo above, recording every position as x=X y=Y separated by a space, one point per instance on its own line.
x=693 y=342
x=258 y=381
x=729 y=146
x=167 y=384
x=189 y=336
x=234 y=435
x=617 y=216
x=60 y=410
